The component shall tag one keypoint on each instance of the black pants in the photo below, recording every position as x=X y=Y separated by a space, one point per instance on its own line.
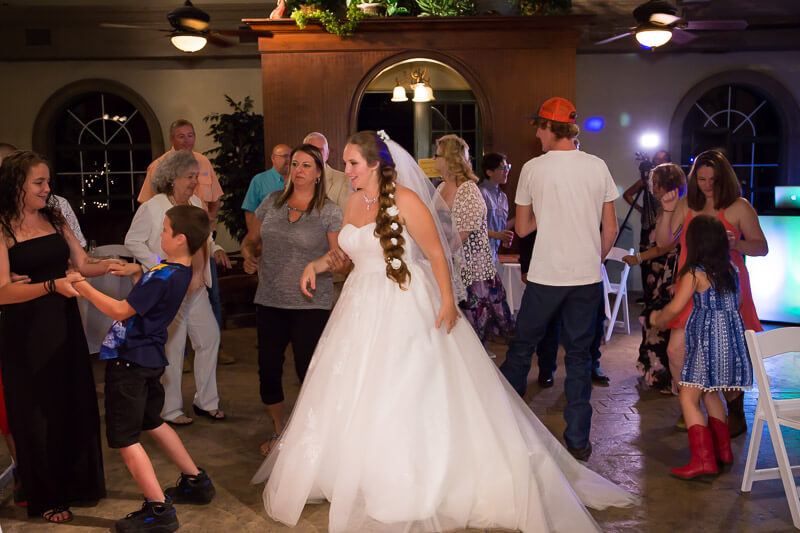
x=276 y=329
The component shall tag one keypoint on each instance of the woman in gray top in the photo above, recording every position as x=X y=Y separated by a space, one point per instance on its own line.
x=290 y=229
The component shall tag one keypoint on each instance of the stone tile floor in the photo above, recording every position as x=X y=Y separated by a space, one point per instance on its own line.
x=634 y=445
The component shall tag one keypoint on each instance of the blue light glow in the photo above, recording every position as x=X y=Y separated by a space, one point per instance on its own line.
x=594 y=124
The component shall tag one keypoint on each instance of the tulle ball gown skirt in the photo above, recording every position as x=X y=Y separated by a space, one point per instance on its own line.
x=402 y=427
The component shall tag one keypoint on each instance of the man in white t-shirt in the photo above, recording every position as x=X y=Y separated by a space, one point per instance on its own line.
x=567 y=196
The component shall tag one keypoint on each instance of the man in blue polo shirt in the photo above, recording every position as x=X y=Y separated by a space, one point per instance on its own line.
x=266 y=182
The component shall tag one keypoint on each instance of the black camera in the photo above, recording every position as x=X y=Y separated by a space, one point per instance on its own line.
x=645 y=165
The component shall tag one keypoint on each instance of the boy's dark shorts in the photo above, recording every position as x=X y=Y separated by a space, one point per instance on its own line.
x=134 y=399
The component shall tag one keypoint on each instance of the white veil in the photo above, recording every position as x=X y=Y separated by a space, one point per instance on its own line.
x=411 y=176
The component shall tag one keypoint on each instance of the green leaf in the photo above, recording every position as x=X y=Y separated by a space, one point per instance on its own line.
x=238 y=156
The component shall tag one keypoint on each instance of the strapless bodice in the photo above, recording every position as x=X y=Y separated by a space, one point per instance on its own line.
x=364 y=248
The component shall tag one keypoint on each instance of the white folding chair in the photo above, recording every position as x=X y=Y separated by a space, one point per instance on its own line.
x=775 y=413
x=620 y=289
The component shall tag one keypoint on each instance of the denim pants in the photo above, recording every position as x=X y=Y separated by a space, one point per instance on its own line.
x=577 y=307
x=547 y=350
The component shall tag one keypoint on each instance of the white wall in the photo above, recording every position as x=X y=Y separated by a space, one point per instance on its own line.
x=648 y=88
x=174 y=89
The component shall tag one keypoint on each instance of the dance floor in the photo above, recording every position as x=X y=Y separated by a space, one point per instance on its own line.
x=634 y=445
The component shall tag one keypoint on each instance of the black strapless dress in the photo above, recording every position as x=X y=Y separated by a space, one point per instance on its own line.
x=49 y=387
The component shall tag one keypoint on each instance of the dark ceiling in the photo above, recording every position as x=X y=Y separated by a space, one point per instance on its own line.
x=70 y=29
x=772 y=25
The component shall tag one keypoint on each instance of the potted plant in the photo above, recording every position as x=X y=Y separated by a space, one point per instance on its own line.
x=447 y=8
x=370 y=9
x=332 y=24
x=238 y=157
x=542 y=7
x=394 y=9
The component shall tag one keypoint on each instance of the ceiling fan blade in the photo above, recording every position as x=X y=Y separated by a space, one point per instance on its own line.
x=612 y=39
x=218 y=41
x=721 y=25
x=680 y=36
x=128 y=27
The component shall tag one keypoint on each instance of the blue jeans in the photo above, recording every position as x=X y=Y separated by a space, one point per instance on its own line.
x=547 y=350
x=577 y=307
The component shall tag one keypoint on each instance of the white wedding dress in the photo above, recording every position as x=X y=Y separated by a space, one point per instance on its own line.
x=403 y=427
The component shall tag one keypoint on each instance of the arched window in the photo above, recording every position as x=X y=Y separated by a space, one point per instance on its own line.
x=102 y=149
x=100 y=136
x=753 y=119
x=746 y=126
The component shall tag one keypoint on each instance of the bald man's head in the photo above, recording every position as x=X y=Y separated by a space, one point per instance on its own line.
x=317 y=139
x=280 y=158
x=6 y=149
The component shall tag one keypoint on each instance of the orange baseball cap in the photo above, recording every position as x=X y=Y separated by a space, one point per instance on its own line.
x=557 y=109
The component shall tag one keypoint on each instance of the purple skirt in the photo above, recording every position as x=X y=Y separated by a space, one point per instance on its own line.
x=487 y=310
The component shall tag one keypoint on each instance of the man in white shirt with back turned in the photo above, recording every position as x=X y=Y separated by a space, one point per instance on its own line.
x=567 y=196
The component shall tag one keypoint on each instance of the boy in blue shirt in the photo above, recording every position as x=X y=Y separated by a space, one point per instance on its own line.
x=134 y=348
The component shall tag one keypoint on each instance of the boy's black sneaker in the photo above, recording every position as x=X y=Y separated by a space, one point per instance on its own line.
x=192 y=489
x=153 y=517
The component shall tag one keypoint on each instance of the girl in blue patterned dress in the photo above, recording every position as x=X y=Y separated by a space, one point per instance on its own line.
x=716 y=353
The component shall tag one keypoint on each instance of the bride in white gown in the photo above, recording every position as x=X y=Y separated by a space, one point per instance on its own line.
x=403 y=423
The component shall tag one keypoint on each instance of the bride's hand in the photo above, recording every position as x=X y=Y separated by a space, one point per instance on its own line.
x=448 y=315
x=309 y=278
x=338 y=261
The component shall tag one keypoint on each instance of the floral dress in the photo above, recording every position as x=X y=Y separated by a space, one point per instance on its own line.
x=486 y=307
x=659 y=287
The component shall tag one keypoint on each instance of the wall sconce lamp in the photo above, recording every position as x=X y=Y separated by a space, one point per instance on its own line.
x=420 y=85
x=399 y=93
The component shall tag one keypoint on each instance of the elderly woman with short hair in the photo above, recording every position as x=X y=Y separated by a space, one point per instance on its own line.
x=174 y=183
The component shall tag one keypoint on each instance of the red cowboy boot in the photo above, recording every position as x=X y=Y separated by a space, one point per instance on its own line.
x=720 y=433
x=703 y=463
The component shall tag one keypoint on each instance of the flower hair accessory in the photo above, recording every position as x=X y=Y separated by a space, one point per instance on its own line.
x=394 y=226
x=391 y=195
x=392 y=211
x=395 y=263
x=383 y=135
x=394 y=241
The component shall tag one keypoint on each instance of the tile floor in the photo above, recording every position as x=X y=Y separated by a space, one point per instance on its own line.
x=634 y=445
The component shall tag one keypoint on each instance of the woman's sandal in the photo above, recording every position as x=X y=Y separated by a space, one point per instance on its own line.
x=216 y=414
x=55 y=515
x=181 y=420
x=267 y=446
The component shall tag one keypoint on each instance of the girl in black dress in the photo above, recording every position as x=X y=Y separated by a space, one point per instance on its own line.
x=47 y=377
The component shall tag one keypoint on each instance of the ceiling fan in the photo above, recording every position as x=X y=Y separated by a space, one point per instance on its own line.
x=658 y=22
x=190 y=29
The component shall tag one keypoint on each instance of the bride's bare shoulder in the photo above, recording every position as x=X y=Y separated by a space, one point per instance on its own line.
x=405 y=194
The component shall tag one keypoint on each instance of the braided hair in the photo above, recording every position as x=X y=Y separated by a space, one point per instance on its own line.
x=388 y=228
